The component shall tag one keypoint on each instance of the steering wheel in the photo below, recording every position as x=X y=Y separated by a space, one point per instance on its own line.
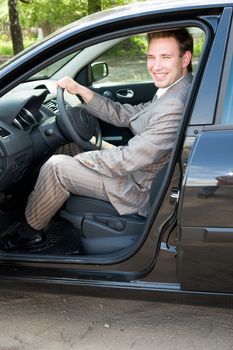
x=78 y=125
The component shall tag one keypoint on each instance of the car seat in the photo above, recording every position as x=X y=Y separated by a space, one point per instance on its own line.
x=102 y=229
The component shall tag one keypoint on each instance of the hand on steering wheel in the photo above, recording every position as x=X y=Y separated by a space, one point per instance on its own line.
x=78 y=124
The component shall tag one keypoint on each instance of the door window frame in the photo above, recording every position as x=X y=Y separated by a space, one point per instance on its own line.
x=226 y=79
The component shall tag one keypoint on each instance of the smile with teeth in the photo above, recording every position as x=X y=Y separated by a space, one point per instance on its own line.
x=160 y=76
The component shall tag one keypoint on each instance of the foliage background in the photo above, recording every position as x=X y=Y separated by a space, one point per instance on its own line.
x=38 y=18
x=42 y=17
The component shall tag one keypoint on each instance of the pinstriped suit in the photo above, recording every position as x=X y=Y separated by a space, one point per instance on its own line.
x=122 y=175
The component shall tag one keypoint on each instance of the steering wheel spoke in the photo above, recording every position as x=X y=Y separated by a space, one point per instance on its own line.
x=78 y=125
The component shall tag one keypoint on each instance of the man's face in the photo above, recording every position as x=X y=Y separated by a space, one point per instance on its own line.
x=164 y=62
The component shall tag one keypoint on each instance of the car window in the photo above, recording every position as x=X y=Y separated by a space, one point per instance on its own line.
x=126 y=61
x=47 y=72
x=227 y=114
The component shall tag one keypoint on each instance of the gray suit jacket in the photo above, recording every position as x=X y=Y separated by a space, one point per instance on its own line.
x=128 y=171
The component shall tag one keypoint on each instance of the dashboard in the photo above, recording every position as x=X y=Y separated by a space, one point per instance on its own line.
x=29 y=131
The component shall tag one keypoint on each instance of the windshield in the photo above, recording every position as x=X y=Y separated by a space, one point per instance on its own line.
x=49 y=71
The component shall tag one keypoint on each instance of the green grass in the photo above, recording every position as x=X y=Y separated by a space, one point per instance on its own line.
x=6 y=48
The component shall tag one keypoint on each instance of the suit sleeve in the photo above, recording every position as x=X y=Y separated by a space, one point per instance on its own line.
x=113 y=112
x=143 y=149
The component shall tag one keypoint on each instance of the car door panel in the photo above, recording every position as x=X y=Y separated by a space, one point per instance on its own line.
x=206 y=220
x=133 y=93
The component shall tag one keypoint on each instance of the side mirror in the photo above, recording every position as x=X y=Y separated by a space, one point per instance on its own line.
x=99 y=71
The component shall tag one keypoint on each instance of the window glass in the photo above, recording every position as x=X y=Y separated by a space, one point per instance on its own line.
x=227 y=115
x=198 y=43
x=127 y=60
x=47 y=72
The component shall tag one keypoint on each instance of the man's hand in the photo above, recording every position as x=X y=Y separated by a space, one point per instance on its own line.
x=69 y=84
x=75 y=89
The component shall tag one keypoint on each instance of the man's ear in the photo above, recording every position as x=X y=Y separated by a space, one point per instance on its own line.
x=186 y=59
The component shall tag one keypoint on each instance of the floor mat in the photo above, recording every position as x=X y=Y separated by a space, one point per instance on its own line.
x=9 y=221
x=62 y=238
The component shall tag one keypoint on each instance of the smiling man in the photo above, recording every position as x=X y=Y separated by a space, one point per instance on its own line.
x=168 y=58
x=122 y=175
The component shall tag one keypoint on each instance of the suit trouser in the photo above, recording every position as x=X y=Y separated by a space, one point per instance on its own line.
x=59 y=176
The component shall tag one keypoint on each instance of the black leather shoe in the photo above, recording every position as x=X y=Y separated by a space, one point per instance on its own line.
x=17 y=242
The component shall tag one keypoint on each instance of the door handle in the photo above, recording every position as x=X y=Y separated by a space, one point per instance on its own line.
x=125 y=93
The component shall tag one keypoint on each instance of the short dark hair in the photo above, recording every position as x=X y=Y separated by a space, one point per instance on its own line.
x=182 y=36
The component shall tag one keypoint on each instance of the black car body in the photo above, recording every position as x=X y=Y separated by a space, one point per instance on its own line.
x=185 y=246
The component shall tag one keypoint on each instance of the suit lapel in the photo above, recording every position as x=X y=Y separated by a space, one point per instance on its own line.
x=186 y=80
x=144 y=110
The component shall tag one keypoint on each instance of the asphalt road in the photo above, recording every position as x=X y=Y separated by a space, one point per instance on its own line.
x=45 y=321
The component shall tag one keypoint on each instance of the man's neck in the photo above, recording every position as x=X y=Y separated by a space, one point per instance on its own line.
x=162 y=91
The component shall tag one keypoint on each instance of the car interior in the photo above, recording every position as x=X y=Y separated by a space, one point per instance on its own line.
x=36 y=119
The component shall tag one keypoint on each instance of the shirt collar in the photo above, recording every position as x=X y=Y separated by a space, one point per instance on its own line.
x=162 y=91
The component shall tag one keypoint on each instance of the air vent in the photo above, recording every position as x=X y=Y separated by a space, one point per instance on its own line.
x=24 y=119
x=51 y=105
x=4 y=132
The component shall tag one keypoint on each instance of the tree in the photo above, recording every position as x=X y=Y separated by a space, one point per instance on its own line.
x=94 y=6
x=106 y=4
x=15 y=28
x=53 y=14
x=48 y=15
